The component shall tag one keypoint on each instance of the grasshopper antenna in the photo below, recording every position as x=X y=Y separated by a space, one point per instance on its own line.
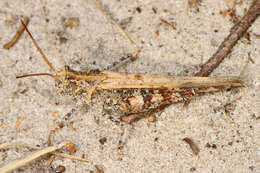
x=43 y=56
x=36 y=74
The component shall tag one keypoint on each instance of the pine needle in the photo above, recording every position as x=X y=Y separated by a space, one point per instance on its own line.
x=113 y=21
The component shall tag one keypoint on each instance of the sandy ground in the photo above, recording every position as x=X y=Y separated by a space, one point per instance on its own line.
x=227 y=143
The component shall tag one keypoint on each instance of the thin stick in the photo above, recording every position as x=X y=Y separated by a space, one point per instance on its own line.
x=70 y=156
x=167 y=23
x=113 y=21
x=236 y=32
x=6 y=145
x=39 y=49
x=18 y=34
x=50 y=160
x=19 y=163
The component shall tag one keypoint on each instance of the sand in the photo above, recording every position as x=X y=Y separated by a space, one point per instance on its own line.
x=227 y=143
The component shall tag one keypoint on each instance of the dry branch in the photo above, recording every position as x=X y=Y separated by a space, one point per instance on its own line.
x=236 y=32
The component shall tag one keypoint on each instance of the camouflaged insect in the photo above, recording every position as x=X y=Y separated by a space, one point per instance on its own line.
x=132 y=96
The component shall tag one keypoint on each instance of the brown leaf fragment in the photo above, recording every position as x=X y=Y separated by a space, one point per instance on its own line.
x=70 y=147
x=72 y=22
x=193 y=3
x=154 y=10
x=157 y=32
x=15 y=95
x=193 y=147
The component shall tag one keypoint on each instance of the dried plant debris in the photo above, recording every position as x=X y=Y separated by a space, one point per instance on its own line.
x=192 y=145
x=37 y=154
x=71 y=22
x=18 y=34
x=231 y=4
x=99 y=168
x=113 y=21
x=60 y=126
x=154 y=10
x=236 y=32
x=194 y=4
x=167 y=23
x=125 y=22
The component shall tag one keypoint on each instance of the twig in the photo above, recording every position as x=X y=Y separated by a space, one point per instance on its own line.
x=167 y=23
x=50 y=160
x=6 y=145
x=236 y=32
x=13 y=165
x=70 y=156
x=60 y=126
x=113 y=21
x=19 y=163
x=17 y=35
x=250 y=59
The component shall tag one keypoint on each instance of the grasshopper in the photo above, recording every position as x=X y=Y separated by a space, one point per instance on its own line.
x=131 y=96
